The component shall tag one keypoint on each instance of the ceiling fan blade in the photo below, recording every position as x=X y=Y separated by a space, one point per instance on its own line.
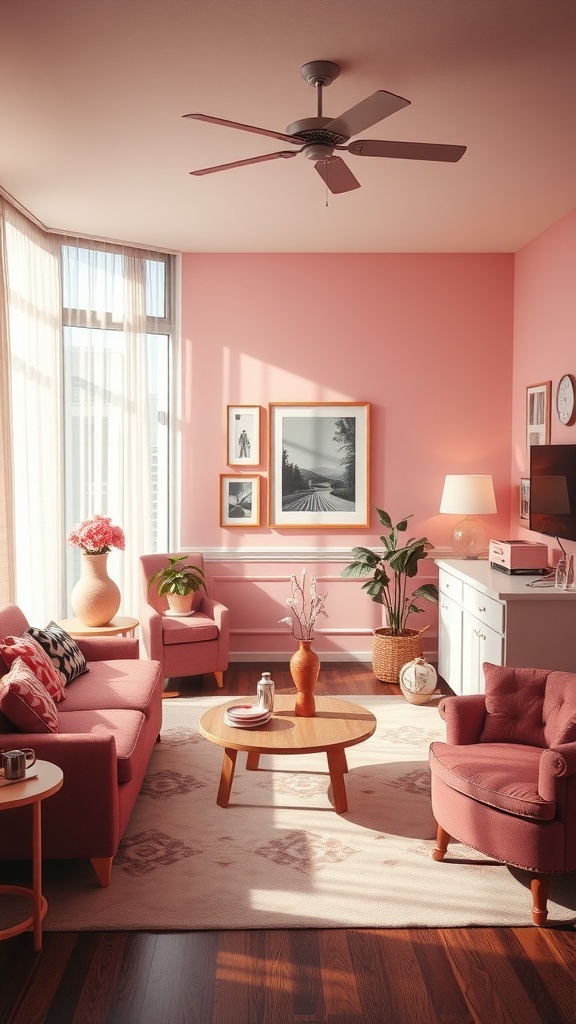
x=244 y=163
x=366 y=113
x=406 y=150
x=337 y=175
x=245 y=127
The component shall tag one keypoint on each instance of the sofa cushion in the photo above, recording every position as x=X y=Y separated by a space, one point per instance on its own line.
x=189 y=630
x=126 y=727
x=62 y=650
x=130 y=684
x=514 y=699
x=559 y=709
x=25 y=701
x=25 y=647
x=502 y=775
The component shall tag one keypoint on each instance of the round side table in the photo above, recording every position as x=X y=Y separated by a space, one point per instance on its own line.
x=48 y=780
x=121 y=625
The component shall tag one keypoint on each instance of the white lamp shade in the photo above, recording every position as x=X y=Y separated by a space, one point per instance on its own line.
x=468 y=495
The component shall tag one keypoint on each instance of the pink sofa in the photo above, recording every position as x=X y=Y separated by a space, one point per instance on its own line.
x=107 y=726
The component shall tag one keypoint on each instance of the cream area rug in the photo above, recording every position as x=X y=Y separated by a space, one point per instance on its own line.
x=279 y=856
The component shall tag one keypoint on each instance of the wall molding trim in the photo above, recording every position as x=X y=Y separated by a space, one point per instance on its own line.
x=292 y=555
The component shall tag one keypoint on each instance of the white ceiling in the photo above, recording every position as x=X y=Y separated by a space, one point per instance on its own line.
x=92 y=139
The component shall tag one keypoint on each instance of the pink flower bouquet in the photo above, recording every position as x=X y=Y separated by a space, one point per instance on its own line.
x=97 y=535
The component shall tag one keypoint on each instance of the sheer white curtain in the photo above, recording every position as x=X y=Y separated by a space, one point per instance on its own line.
x=32 y=334
x=6 y=488
x=85 y=379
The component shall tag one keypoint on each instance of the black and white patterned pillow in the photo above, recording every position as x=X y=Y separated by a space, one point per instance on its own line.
x=63 y=650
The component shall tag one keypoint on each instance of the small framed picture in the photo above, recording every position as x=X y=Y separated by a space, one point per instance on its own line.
x=239 y=500
x=243 y=435
x=524 y=498
x=538 y=398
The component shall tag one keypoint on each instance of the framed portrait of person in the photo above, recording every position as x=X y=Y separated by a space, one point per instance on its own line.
x=243 y=435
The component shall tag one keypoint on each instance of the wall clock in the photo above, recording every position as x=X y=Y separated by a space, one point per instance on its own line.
x=566 y=399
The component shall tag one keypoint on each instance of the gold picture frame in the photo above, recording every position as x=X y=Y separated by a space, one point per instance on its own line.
x=239 y=500
x=319 y=465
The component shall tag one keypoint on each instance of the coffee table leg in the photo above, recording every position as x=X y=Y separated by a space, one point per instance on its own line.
x=252 y=761
x=337 y=766
x=226 y=777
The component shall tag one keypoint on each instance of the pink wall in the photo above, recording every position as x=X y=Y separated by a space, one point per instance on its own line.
x=544 y=340
x=426 y=339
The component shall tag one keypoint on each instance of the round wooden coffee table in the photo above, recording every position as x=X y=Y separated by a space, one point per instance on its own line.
x=45 y=779
x=336 y=725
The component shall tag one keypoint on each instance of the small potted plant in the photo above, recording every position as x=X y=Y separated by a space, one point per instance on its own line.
x=389 y=571
x=178 y=582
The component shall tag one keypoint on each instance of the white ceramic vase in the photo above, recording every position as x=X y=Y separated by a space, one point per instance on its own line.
x=418 y=681
x=95 y=598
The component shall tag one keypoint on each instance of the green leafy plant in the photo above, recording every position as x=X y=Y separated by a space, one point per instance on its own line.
x=176 y=578
x=389 y=571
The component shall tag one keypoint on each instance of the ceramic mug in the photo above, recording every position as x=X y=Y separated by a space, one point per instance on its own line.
x=15 y=762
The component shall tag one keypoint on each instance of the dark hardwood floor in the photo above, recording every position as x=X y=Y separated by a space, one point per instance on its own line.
x=414 y=976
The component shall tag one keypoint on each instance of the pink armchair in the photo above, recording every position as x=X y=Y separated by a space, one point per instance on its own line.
x=188 y=646
x=504 y=783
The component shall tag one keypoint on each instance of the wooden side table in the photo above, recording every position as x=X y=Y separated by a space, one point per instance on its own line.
x=121 y=625
x=49 y=779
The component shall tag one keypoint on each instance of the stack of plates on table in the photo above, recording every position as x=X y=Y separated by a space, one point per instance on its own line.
x=246 y=716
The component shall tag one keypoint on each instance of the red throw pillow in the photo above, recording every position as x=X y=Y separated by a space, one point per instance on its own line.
x=25 y=702
x=33 y=654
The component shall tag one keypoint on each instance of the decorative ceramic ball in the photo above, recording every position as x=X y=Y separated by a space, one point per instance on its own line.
x=418 y=681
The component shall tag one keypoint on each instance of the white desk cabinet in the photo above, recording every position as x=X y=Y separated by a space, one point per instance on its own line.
x=486 y=615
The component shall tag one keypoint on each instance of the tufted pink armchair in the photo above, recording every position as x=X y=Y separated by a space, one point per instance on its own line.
x=184 y=646
x=504 y=783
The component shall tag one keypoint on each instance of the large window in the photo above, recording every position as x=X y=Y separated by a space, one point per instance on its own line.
x=86 y=338
x=116 y=330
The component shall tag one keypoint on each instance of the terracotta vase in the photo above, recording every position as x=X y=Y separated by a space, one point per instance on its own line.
x=304 y=669
x=95 y=598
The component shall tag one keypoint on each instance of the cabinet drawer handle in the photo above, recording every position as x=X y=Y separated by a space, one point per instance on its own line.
x=482 y=609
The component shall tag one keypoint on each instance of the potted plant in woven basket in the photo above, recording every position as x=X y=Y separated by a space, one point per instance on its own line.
x=389 y=571
x=178 y=583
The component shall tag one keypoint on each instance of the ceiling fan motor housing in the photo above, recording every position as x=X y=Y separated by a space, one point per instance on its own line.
x=320 y=143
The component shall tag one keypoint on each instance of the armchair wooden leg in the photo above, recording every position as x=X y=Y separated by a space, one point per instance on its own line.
x=103 y=868
x=539 y=886
x=442 y=840
x=219 y=677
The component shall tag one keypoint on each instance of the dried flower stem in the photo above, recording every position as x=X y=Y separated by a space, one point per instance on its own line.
x=305 y=610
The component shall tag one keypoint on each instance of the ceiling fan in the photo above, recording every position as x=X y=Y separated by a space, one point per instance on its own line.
x=318 y=137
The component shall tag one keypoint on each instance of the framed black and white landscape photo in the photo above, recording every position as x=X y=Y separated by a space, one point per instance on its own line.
x=243 y=435
x=239 y=500
x=318 y=465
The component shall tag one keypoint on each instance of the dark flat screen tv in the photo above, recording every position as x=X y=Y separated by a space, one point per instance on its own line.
x=553 y=490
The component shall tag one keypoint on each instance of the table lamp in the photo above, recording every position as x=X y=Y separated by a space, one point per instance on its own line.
x=468 y=495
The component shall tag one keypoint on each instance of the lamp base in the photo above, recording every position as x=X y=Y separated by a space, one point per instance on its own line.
x=469 y=538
